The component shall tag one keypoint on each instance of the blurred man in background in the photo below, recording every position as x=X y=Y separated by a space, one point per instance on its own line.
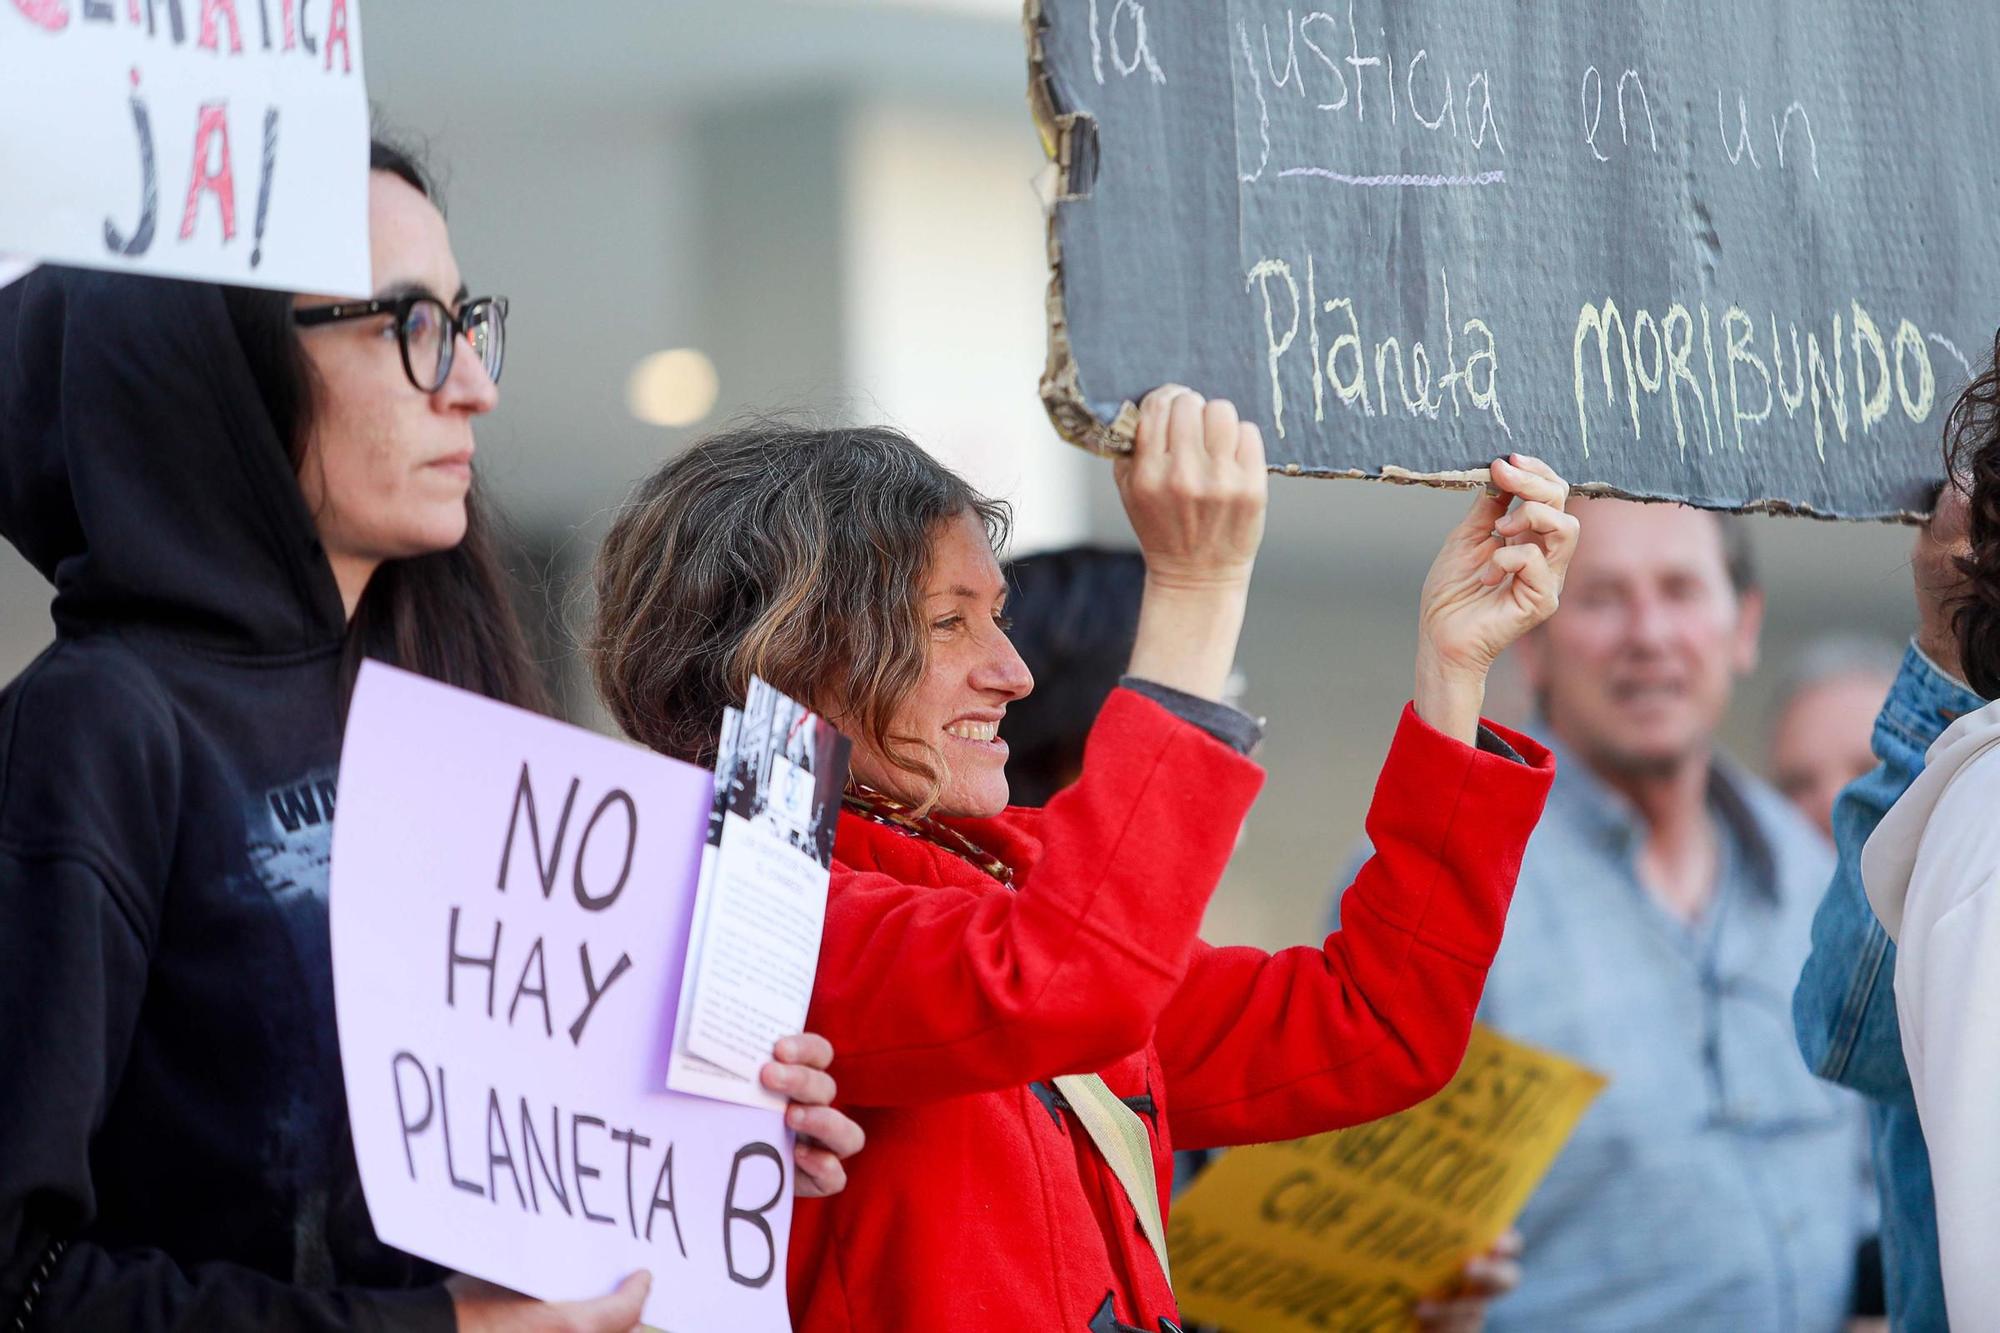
x=1825 y=712
x=1660 y=920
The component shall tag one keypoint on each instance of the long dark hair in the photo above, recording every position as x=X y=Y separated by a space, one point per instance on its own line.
x=448 y=615
x=794 y=553
x=1972 y=455
x=1076 y=616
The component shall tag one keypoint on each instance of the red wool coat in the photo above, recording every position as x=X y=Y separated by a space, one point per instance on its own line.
x=980 y=1202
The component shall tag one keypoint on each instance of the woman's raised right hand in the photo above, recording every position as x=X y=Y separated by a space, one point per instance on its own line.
x=484 y=1308
x=1195 y=489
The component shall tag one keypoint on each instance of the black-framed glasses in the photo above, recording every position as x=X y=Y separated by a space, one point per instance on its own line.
x=428 y=332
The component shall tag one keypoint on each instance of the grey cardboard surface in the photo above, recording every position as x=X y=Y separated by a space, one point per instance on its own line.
x=1742 y=254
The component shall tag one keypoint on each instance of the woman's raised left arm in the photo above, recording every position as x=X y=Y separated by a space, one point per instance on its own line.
x=1258 y=1046
x=1263 y=1046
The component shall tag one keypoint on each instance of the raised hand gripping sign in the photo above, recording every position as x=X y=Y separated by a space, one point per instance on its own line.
x=224 y=140
x=510 y=907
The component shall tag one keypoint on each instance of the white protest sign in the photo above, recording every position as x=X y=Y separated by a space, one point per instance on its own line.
x=510 y=910
x=224 y=140
x=756 y=945
x=761 y=897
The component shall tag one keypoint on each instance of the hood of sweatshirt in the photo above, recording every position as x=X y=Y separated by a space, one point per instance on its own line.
x=1890 y=858
x=141 y=473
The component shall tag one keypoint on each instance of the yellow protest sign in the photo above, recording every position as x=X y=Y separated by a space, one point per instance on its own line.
x=1348 y=1230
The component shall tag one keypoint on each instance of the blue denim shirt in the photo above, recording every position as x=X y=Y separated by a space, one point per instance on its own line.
x=1845 y=1004
x=1715 y=1184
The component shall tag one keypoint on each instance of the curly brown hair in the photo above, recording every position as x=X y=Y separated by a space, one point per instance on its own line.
x=790 y=552
x=1972 y=455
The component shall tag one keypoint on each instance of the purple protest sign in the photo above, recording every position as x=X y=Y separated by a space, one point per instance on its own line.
x=510 y=910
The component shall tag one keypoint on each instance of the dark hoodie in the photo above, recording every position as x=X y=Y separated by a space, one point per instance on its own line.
x=173 y=1142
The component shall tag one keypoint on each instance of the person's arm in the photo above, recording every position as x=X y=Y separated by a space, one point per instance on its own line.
x=1260 y=1046
x=1195 y=490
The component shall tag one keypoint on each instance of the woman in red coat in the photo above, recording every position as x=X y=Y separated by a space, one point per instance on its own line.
x=1027 y=1020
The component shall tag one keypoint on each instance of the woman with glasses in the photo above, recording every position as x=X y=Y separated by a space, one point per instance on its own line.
x=238 y=496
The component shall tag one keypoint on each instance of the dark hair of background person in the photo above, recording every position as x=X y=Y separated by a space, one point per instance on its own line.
x=448 y=615
x=1972 y=459
x=1076 y=616
x=1738 y=555
x=792 y=552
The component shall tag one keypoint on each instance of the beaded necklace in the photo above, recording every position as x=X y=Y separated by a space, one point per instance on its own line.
x=879 y=808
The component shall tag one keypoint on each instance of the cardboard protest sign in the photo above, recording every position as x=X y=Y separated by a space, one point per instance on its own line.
x=1732 y=254
x=510 y=909
x=224 y=140
x=1349 y=1230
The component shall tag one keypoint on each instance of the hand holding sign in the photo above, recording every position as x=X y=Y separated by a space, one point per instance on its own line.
x=482 y=1307
x=1353 y=1230
x=1499 y=575
x=1484 y=1279
x=825 y=1135
x=1195 y=491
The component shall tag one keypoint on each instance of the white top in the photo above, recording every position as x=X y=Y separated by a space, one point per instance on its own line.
x=1932 y=871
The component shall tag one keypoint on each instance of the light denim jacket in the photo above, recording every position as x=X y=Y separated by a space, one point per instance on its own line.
x=1845 y=1004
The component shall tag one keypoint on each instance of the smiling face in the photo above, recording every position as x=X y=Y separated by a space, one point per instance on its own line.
x=971 y=674
x=1636 y=670
x=387 y=467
